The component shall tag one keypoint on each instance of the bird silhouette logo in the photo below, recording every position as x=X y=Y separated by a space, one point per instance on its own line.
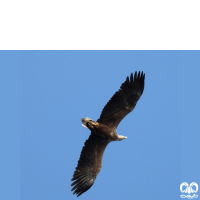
x=190 y=189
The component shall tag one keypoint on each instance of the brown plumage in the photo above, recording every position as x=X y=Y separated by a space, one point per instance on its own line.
x=103 y=131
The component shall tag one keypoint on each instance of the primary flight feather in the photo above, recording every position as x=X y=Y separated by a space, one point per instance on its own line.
x=103 y=131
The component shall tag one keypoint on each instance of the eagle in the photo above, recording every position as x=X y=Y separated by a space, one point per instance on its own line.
x=103 y=131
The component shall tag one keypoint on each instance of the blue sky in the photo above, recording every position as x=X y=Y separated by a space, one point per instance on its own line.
x=45 y=95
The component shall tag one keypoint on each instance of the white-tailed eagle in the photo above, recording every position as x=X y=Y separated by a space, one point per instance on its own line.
x=103 y=131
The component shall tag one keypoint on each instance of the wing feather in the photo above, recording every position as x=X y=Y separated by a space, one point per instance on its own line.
x=89 y=164
x=123 y=101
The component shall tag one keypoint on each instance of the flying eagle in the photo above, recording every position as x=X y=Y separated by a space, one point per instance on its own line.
x=103 y=131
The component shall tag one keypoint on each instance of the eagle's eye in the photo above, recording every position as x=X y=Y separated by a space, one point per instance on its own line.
x=88 y=124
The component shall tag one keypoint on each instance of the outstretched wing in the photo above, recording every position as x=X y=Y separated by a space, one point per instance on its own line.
x=123 y=101
x=89 y=164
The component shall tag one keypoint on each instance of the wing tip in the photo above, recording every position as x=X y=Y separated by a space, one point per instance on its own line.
x=139 y=74
x=135 y=83
x=80 y=187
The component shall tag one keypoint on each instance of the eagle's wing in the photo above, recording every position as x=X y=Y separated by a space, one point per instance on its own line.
x=123 y=101
x=89 y=164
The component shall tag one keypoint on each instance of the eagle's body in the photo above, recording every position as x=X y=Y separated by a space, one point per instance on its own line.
x=103 y=131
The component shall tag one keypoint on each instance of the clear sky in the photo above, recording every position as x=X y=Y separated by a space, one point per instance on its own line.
x=45 y=95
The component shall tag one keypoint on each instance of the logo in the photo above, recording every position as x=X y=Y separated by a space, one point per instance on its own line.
x=192 y=188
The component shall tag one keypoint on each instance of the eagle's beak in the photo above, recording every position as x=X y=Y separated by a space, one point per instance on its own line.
x=84 y=121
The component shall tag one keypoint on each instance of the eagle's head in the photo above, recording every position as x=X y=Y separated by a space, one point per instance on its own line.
x=88 y=123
